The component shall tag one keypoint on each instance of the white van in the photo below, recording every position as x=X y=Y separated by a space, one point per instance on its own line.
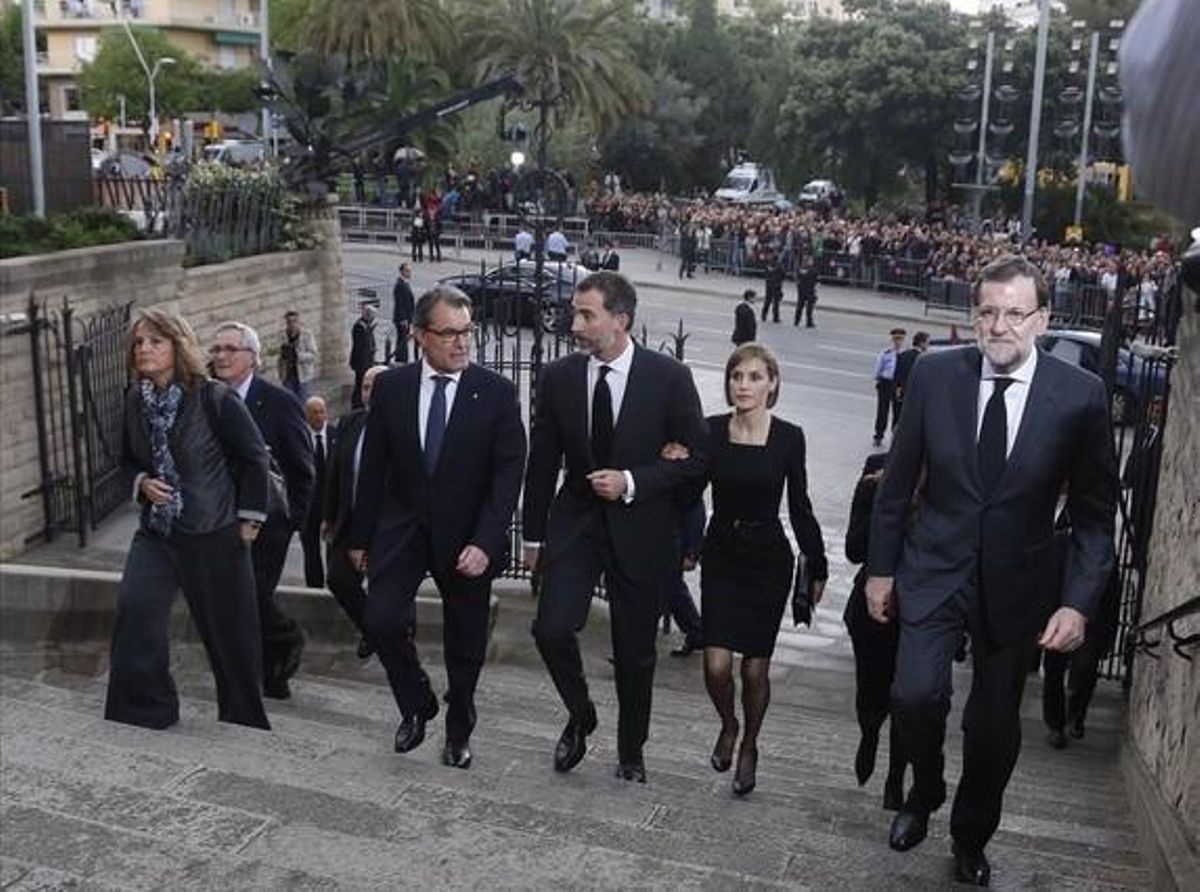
x=817 y=191
x=749 y=183
x=236 y=152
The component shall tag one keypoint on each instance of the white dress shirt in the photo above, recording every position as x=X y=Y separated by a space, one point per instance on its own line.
x=1015 y=396
x=426 y=396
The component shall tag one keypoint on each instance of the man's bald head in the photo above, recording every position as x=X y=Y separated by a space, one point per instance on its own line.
x=368 y=379
x=315 y=412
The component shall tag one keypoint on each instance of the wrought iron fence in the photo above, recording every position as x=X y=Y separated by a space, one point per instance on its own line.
x=79 y=379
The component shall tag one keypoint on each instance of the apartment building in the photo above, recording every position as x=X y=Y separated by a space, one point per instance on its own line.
x=221 y=33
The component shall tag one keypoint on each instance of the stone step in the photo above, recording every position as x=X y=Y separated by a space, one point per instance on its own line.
x=332 y=741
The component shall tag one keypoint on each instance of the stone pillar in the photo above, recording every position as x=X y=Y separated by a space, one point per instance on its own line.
x=321 y=222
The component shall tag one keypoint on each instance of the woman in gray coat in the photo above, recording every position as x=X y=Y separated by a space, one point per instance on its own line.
x=199 y=471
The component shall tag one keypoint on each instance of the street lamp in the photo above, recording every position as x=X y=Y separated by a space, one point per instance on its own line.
x=517 y=158
x=151 y=75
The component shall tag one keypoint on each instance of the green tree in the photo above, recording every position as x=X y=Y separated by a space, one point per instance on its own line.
x=229 y=91
x=117 y=72
x=376 y=31
x=572 y=57
x=287 y=24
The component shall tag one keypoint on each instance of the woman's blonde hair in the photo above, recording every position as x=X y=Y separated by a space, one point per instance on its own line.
x=746 y=352
x=189 y=360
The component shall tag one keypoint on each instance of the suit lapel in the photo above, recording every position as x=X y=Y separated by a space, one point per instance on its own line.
x=624 y=421
x=462 y=412
x=577 y=390
x=409 y=405
x=1039 y=406
x=964 y=404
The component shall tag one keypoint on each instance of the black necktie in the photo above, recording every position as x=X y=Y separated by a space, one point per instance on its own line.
x=993 y=436
x=435 y=423
x=602 y=420
x=319 y=455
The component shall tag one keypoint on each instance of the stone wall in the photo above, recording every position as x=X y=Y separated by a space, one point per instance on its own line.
x=255 y=290
x=1164 y=707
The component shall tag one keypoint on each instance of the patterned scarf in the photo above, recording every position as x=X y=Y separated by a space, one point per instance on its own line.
x=160 y=408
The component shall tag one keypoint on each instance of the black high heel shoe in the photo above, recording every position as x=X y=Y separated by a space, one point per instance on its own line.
x=722 y=756
x=744 y=778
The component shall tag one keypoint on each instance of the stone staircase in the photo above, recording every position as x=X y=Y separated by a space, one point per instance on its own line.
x=322 y=801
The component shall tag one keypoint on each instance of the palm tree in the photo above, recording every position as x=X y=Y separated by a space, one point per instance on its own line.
x=569 y=55
x=375 y=31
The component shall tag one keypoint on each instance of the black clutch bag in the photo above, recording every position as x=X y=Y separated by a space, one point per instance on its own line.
x=801 y=603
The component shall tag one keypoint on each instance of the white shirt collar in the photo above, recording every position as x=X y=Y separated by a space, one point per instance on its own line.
x=243 y=389
x=620 y=365
x=428 y=372
x=1022 y=373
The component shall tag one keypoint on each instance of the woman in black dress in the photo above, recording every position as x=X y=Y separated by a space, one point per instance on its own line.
x=746 y=561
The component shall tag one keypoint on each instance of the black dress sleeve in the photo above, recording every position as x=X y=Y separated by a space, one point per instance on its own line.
x=804 y=522
x=858 y=533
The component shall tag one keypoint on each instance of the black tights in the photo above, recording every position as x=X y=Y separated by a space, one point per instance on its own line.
x=756 y=692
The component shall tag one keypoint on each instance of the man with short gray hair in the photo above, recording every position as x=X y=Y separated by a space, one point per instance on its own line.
x=235 y=354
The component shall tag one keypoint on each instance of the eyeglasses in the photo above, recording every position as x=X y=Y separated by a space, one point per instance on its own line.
x=452 y=334
x=218 y=349
x=1012 y=317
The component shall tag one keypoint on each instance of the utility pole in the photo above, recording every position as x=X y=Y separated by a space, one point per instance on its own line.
x=33 y=112
x=1080 y=180
x=264 y=52
x=1035 y=120
x=981 y=160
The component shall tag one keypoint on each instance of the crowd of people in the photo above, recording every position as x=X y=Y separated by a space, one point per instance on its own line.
x=425 y=476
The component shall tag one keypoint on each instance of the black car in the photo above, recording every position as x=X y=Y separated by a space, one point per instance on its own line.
x=1137 y=379
x=507 y=293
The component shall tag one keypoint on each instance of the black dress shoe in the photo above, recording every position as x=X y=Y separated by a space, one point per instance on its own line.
x=277 y=688
x=687 y=649
x=275 y=685
x=971 y=867
x=722 y=754
x=744 y=779
x=456 y=755
x=573 y=742
x=634 y=770
x=365 y=650
x=411 y=733
x=864 y=758
x=1075 y=729
x=1056 y=738
x=909 y=828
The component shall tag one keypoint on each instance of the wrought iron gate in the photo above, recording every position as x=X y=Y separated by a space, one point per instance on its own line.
x=79 y=378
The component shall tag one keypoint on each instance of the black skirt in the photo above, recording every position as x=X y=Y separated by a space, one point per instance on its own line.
x=745 y=580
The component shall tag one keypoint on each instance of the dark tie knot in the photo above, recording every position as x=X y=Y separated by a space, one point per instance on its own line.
x=441 y=381
x=604 y=370
x=999 y=384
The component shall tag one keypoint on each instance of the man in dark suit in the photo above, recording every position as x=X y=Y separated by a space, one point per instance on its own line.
x=806 y=291
x=774 y=289
x=439 y=481
x=904 y=363
x=362 y=344
x=236 y=353
x=324 y=440
x=607 y=411
x=745 y=323
x=610 y=259
x=991 y=434
x=402 y=311
x=337 y=509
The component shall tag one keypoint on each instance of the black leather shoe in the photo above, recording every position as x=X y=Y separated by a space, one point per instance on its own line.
x=687 y=649
x=1075 y=729
x=632 y=771
x=573 y=743
x=864 y=758
x=722 y=754
x=275 y=685
x=277 y=688
x=365 y=650
x=456 y=755
x=971 y=867
x=909 y=829
x=411 y=733
x=744 y=779
x=1056 y=739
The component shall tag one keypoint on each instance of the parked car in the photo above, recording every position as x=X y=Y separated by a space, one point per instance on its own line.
x=1137 y=380
x=236 y=152
x=508 y=293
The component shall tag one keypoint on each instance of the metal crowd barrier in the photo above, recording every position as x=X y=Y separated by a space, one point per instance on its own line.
x=947 y=294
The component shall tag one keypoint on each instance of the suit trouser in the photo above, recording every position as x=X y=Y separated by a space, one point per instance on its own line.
x=885 y=402
x=805 y=305
x=566 y=597
x=991 y=720
x=678 y=603
x=771 y=305
x=1059 y=707
x=390 y=620
x=213 y=570
x=310 y=541
x=280 y=633
x=346 y=583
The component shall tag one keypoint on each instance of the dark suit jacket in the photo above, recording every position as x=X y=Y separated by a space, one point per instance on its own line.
x=610 y=260
x=362 y=346
x=745 y=323
x=660 y=405
x=905 y=361
x=959 y=534
x=403 y=304
x=281 y=422
x=316 y=503
x=472 y=494
x=337 y=505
